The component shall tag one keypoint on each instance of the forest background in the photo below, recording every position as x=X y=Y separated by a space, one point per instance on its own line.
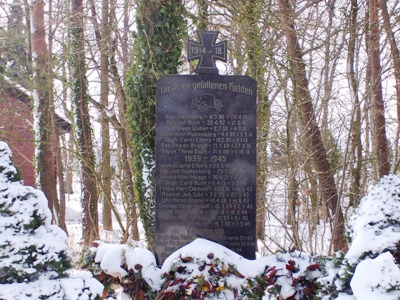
x=328 y=107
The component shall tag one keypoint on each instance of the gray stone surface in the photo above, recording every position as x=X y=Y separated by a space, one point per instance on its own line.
x=206 y=162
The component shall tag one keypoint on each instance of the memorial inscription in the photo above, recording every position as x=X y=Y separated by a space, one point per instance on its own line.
x=205 y=171
x=206 y=159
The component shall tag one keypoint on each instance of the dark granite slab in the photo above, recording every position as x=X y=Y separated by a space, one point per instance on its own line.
x=206 y=162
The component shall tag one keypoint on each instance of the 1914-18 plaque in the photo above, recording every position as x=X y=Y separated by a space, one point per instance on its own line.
x=206 y=162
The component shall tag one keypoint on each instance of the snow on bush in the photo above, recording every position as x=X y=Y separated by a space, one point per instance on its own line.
x=8 y=172
x=375 y=228
x=33 y=252
x=133 y=268
x=377 y=278
x=370 y=268
x=79 y=285
x=204 y=270
x=207 y=270
x=375 y=242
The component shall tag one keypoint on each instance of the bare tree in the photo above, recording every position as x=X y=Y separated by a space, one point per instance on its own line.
x=293 y=170
x=395 y=53
x=312 y=133
x=45 y=166
x=105 y=127
x=127 y=185
x=381 y=143
x=90 y=221
x=255 y=59
x=109 y=49
x=356 y=144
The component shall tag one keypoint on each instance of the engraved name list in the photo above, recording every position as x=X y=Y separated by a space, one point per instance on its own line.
x=206 y=160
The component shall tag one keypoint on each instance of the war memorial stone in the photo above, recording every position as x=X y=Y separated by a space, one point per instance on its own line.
x=206 y=155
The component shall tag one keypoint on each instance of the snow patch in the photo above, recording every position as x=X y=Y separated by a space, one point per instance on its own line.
x=375 y=227
x=368 y=282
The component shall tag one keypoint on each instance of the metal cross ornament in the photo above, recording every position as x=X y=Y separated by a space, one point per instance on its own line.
x=207 y=51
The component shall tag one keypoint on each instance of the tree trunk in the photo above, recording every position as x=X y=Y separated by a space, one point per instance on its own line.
x=370 y=143
x=69 y=158
x=105 y=130
x=60 y=206
x=326 y=78
x=381 y=149
x=67 y=144
x=102 y=33
x=355 y=127
x=125 y=42
x=255 y=59
x=90 y=226
x=45 y=164
x=312 y=132
x=128 y=184
x=293 y=184
x=313 y=214
x=157 y=52
x=60 y=176
x=396 y=66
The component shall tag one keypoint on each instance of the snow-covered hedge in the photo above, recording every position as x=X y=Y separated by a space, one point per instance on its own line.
x=205 y=270
x=133 y=268
x=370 y=268
x=34 y=259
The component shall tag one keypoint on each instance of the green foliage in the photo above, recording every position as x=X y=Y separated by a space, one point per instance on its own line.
x=27 y=248
x=332 y=277
x=158 y=46
x=8 y=171
x=37 y=221
x=17 y=221
x=30 y=246
x=16 y=176
x=31 y=261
